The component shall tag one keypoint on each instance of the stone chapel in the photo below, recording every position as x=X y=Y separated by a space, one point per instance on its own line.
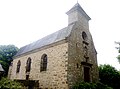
x=61 y=59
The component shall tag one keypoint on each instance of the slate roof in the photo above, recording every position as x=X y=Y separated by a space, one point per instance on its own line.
x=1 y=69
x=52 y=38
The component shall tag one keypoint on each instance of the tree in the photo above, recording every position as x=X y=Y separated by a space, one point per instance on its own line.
x=110 y=76
x=8 y=51
x=6 y=55
x=118 y=48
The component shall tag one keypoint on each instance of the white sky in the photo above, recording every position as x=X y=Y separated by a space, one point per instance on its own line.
x=25 y=21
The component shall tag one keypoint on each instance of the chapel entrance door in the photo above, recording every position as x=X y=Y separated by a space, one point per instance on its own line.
x=86 y=74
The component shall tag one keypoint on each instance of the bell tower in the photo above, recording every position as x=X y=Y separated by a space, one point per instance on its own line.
x=82 y=60
x=76 y=13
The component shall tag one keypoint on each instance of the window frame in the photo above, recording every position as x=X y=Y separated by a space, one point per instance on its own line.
x=84 y=36
x=43 y=64
x=18 y=66
x=28 y=65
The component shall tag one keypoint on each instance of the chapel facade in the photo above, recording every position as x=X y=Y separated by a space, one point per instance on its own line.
x=61 y=59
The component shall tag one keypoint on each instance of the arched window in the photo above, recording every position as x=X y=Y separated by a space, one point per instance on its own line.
x=43 y=66
x=28 y=65
x=84 y=36
x=18 y=66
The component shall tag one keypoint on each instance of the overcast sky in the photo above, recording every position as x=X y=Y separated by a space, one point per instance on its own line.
x=25 y=21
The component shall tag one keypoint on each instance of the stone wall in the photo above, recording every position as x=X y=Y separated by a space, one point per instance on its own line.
x=56 y=75
x=76 y=59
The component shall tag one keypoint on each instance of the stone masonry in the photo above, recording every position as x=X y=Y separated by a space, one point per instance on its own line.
x=56 y=74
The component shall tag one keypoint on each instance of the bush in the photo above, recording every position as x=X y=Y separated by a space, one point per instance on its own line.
x=9 y=84
x=110 y=76
x=102 y=86
x=85 y=85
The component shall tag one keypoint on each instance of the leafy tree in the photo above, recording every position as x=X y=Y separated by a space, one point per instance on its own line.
x=8 y=51
x=118 y=48
x=110 y=76
x=9 y=84
x=6 y=55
